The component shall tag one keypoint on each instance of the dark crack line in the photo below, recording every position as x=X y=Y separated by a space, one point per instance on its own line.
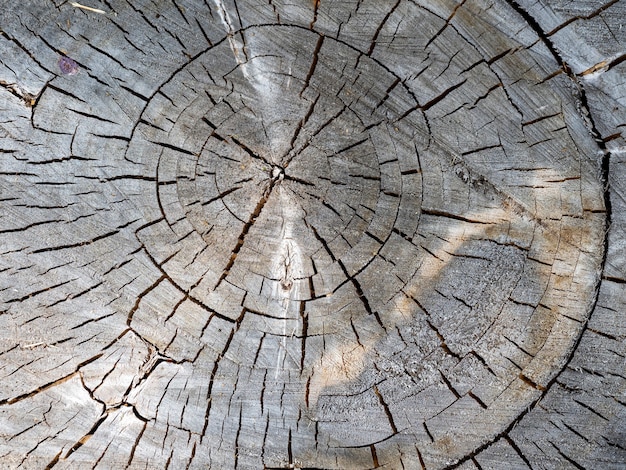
x=244 y=231
x=303 y=122
x=385 y=406
x=352 y=279
x=381 y=26
x=316 y=4
x=43 y=388
x=604 y=7
x=252 y=154
x=216 y=365
x=316 y=51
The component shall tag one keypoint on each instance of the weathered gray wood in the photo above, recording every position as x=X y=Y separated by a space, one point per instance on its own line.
x=361 y=234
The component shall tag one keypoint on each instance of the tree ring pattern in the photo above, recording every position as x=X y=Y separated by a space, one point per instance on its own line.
x=319 y=229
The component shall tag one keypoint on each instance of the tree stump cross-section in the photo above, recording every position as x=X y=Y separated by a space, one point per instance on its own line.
x=288 y=235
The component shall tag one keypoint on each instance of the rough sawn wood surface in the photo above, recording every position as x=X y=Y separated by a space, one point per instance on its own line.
x=312 y=234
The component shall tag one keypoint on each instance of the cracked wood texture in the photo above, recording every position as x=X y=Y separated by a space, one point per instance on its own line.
x=312 y=234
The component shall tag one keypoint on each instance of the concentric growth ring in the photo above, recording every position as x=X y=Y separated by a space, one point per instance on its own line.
x=324 y=189
x=307 y=189
x=369 y=237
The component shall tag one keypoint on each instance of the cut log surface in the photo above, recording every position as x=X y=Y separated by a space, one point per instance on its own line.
x=312 y=234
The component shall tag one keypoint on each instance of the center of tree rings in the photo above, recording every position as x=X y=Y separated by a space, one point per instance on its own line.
x=307 y=197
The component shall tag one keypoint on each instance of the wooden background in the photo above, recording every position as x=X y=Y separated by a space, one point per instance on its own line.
x=312 y=234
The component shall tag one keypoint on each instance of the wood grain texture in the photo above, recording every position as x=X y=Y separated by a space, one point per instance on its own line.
x=360 y=234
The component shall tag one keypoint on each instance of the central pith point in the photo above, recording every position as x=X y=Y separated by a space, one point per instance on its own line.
x=277 y=173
